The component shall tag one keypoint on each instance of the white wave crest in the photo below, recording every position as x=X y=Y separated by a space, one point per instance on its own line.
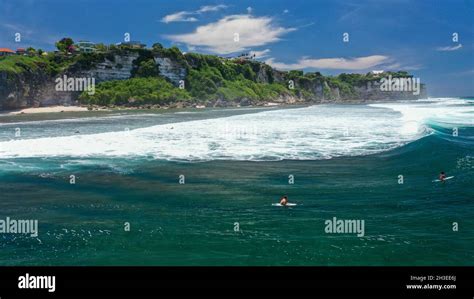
x=317 y=132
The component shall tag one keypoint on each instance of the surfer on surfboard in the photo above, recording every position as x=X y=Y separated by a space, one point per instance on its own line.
x=284 y=200
x=442 y=176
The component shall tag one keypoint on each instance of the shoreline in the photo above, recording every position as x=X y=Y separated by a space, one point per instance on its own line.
x=56 y=109
x=59 y=109
x=49 y=109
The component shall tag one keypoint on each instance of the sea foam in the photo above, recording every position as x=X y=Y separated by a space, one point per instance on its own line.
x=317 y=132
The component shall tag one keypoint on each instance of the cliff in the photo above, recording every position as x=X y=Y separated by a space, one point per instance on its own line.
x=173 y=78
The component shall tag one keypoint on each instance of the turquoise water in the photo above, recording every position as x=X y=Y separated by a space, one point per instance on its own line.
x=345 y=160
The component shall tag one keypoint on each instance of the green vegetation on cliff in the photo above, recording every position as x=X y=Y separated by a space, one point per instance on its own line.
x=209 y=78
x=135 y=92
x=205 y=78
x=51 y=64
x=17 y=64
x=235 y=90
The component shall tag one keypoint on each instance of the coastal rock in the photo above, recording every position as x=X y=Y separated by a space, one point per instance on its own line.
x=170 y=69
x=119 y=69
x=245 y=102
x=221 y=103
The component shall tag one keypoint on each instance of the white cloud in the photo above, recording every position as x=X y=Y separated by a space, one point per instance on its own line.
x=359 y=63
x=18 y=28
x=249 y=10
x=218 y=37
x=187 y=16
x=306 y=25
x=260 y=54
x=211 y=8
x=286 y=11
x=448 y=48
x=399 y=67
x=181 y=16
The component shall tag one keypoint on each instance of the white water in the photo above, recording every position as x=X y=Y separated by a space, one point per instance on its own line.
x=450 y=111
x=317 y=132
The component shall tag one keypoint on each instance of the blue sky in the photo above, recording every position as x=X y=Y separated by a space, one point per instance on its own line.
x=299 y=34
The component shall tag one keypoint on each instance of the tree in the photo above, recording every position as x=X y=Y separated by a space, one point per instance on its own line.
x=157 y=46
x=147 y=68
x=295 y=73
x=31 y=51
x=248 y=72
x=200 y=85
x=65 y=44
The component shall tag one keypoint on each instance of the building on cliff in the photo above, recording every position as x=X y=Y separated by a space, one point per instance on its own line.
x=6 y=52
x=86 y=46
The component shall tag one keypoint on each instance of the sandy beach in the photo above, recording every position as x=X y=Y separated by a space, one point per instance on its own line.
x=52 y=109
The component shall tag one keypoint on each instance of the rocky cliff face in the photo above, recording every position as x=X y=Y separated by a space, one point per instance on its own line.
x=33 y=88
x=119 y=68
x=170 y=69
x=37 y=88
x=30 y=89
x=322 y=92
x=370 y=92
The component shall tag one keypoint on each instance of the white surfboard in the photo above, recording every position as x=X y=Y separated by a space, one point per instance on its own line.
x=448 y=178
x=287 y=205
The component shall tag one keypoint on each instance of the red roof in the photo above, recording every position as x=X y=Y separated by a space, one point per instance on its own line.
x=6 y=50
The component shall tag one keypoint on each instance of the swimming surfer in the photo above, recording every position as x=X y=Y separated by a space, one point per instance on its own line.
x=284 y=200
x=442 y=176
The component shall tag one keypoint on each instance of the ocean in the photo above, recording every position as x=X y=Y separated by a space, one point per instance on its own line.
x=196 y=187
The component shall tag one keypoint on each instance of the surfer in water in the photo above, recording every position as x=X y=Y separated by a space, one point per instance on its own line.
x=442 y=176
x=284 y=200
